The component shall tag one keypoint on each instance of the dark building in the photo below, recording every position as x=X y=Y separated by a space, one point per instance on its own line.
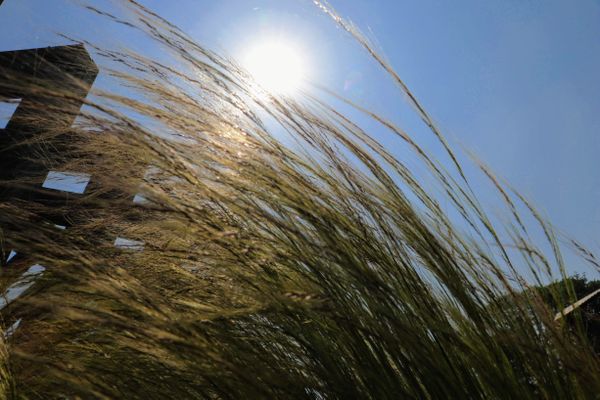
x=50 y=86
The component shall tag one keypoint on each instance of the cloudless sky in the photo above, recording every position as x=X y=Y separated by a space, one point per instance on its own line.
x=517 y=81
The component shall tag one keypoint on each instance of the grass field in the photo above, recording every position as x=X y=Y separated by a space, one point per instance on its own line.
x=324 y=271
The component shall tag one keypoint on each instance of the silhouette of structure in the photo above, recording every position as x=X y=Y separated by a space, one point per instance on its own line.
x=50 y=85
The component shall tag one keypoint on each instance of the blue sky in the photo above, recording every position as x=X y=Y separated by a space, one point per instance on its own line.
x=516 y=81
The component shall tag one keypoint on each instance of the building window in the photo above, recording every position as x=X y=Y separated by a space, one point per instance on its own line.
x=7 y=109
x=71 y=182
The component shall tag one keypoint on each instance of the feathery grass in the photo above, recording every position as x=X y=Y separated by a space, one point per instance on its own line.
x=323 y=270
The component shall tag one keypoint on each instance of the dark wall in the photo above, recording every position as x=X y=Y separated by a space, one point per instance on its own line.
x=52 y=84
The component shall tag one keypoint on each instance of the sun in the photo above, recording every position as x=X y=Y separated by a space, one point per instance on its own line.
x=276 y=65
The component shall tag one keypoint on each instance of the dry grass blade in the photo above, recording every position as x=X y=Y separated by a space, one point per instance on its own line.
x=321 y=270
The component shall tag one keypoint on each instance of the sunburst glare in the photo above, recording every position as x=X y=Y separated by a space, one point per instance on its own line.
x=276 y=65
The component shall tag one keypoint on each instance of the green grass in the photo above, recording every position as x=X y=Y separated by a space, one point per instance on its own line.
x=272 y=272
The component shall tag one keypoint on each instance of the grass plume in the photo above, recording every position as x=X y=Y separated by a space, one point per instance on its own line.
x=321 y=270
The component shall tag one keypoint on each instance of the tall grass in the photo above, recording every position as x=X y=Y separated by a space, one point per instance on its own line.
x=321 y=270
